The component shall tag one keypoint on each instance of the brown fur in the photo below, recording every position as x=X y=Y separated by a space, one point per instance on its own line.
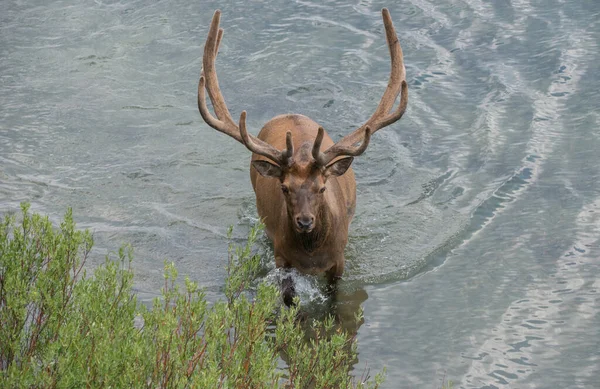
x=322 y=250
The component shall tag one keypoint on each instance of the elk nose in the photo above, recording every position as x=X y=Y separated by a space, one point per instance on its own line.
x=305 y=222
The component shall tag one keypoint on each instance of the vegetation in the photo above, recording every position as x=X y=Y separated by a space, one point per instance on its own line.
x=63 y=328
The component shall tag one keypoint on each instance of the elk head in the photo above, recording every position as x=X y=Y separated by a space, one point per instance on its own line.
x=303 y=176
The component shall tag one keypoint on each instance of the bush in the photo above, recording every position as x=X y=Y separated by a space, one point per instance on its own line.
x=61 y=328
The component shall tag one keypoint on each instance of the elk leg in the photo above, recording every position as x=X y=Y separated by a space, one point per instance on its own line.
x=335 y=272
x=333 y=275
x=288 y=289
x=280 y=262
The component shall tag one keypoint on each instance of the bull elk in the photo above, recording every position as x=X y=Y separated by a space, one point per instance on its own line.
x=305 y=189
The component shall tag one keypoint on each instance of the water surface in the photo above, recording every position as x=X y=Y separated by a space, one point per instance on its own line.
x=475 y=250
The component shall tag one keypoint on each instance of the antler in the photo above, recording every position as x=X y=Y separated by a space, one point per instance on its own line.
x=382 y=116
x=337 y=149
x=224 y=122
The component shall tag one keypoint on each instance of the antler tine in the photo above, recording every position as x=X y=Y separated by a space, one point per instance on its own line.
x=316 y=151
x=259 y=147
x=289 y=152
x=351 y=151
x=397 y=115
x=219 y=38
x=224 y=121
x=396 y=85
x=338 y=149
x=397 y=71
x=209 y=118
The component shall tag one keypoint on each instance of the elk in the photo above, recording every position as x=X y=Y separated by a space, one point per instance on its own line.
x=304 y=185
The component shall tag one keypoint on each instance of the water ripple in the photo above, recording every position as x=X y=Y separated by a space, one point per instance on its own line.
x=491 y=176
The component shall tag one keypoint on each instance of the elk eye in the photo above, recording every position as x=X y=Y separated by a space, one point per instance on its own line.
x=285 y=189
x=322 y=189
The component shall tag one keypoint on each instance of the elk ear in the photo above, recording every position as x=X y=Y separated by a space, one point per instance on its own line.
x=339 y=167
x=267 y=169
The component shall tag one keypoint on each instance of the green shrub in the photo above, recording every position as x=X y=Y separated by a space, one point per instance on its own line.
x=62 y=328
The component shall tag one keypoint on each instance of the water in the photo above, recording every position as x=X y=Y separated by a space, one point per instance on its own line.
x=475 y=250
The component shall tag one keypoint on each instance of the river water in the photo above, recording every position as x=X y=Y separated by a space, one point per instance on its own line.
x=475 y=250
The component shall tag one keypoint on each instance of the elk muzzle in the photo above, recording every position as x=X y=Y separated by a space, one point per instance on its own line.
x=305 y=222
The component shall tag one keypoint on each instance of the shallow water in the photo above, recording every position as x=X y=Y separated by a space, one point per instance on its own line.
x=475 y=250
